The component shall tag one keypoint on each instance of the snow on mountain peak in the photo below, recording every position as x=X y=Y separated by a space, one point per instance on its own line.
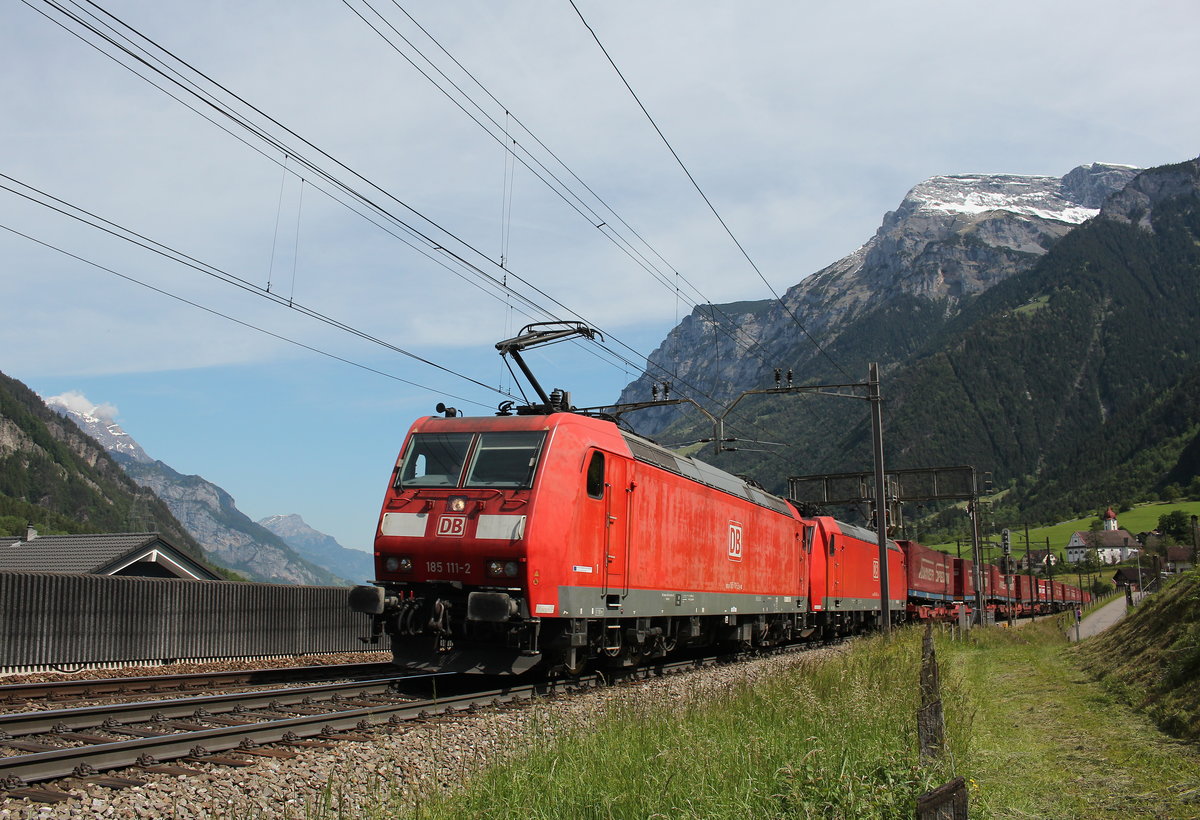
x=97 y=421
x=974 y=194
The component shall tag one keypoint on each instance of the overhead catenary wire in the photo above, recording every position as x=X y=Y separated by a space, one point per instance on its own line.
x=552 y=180
x=297 y=152
x=230 y=318
x=113 y=229
x=703 y=195
x=337 y=187
x=549 y=178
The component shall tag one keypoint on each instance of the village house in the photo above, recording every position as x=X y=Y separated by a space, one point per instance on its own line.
x=1112 y=544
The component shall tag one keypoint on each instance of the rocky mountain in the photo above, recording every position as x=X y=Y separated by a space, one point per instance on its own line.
x=321 y=549
x=55 y=476
x=951 y=239
x=1071 y=375
x=207 y=512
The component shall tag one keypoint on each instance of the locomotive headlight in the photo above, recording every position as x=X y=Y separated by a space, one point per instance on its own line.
x=398 y=563
x=503 y=569
x=456 y=503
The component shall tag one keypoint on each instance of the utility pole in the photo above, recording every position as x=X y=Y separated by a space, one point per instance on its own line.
x=977 y=560
x=1029 y=572
x=1195 y=541
x=1050 y=571
x=885 y=606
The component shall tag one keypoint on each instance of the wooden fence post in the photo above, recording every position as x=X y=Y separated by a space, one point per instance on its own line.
x=948 y=802
x=931 y=723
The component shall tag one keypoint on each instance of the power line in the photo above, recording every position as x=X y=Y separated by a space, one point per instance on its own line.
x=120 y=232
x=704 y=196
x=233 y=319
x=338 y=187
x=548 y=177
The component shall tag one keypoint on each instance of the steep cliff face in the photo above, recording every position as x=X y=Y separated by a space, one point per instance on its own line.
x=321 y=549
x=210 y=514
x=55 y=475
x=951 y=238
x=1137 y=201
x=207 y=512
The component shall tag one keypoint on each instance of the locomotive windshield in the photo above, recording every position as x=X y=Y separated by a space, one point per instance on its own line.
x=495 y=459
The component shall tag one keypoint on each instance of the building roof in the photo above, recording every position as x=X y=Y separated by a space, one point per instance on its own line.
x=1179 y=555
x=1107 y=539
x=103 y=554
x=1109 y=514
x=1126 y=575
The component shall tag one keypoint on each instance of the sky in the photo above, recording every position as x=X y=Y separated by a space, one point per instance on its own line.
x=359 y=250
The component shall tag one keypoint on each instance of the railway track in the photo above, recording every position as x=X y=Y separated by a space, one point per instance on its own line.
x=57 y=692
x=232 y=729
x=81 y=742
x=77 y=745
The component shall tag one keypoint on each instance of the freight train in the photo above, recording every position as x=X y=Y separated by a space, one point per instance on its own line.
x=553 y=538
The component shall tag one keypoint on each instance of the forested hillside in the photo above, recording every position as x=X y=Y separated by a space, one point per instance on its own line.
x=1075 y=382
x=54 y=476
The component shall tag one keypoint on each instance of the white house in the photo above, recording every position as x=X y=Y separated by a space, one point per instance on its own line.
x=1112 y=544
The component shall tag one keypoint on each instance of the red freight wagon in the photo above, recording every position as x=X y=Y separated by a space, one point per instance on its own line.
x=1043 y=590
x=964 y=579
x=997 y=583
x=1023 y=585
x=930 y=581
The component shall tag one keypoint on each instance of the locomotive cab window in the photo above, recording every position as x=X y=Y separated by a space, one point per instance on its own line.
x=595 y=475
x=434 y=460
x=505 y=459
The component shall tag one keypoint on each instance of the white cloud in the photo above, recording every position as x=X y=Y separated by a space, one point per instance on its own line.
x=77 y=402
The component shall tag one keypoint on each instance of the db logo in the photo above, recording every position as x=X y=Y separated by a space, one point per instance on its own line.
x=452 y=525
x=735 y=541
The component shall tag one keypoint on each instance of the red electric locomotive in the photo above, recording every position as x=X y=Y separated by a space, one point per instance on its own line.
x=554 y=538
x=523 y=540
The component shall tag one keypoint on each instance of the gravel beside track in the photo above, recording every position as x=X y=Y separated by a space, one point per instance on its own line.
x=208 y=666
x=414 y=759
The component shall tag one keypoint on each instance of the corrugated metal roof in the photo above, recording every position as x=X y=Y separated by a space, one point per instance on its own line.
x=89 y=554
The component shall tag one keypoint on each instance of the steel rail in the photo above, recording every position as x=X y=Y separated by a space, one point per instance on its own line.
x=99 y=687
x=17 y=770
x=92 y=717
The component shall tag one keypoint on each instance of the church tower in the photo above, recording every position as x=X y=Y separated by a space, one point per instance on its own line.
x=1110 y=520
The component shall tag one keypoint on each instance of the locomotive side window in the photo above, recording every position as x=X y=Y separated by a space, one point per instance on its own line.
x=434 y=460
x=505 y=459
x=595 y=475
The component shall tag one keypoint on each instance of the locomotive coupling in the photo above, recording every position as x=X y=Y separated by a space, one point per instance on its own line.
x=495 y=607
x=371 y=600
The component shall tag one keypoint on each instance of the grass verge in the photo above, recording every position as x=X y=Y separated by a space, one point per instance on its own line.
x=836 y=738
x=1048 y=741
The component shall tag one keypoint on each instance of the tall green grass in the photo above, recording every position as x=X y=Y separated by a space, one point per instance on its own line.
x=834 y=738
